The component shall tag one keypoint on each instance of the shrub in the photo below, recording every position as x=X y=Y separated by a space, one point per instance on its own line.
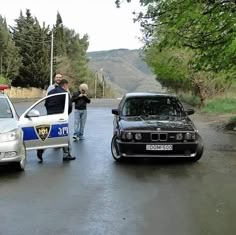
x=3 y=80
x=189 y=99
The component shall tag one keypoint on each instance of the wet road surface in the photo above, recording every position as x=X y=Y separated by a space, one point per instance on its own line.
x=96 y=195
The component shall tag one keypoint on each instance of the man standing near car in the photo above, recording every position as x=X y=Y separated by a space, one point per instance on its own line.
x=56 y=105
x=81 y=100
x=57 y=79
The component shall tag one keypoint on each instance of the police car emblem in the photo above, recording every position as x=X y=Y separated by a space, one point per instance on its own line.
x=43 y=131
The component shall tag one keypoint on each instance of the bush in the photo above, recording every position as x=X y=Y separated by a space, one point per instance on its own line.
x=231 y=125
x=189 y=99
x=3 y=80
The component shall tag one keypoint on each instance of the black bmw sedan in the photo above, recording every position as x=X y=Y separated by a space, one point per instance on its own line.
x=154 y=125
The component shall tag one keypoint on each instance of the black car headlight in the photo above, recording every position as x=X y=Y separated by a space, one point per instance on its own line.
x=188 y=136
x=194 y=136
x=138 y=136
x=129 y=136
x=179 y=136
x=126 y=136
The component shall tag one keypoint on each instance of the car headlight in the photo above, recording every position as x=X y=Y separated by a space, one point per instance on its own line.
x=193 y=136
x=10 y=136
x=179 y=136
x=129 y=136
x=187 y=136
x=138 y=136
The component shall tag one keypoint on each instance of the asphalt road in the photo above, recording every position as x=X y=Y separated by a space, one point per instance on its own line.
x=95 y=195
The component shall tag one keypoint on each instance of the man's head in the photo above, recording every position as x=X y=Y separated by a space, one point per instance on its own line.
x=57 y=78
x=64 y=84
x=83 y=87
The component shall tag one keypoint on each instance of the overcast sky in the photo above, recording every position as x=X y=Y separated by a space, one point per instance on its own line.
x=107 y=27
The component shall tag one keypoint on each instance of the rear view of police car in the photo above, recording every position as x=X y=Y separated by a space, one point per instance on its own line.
x=12 y=149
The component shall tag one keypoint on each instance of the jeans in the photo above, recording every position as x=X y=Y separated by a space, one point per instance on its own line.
x=80 y=117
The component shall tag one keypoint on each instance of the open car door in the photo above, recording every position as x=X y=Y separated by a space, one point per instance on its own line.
x=42 y=130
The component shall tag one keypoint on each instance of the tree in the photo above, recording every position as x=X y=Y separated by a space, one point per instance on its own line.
x=70 y=53
x=76 y=50
x=25 y=52
x=33 y=42
x=205 y=29
x=9 y=55
x=208 y=27
x=59 y=37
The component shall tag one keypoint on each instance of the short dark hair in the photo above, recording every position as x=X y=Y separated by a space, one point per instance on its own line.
x=54 y=75
x=63 y=82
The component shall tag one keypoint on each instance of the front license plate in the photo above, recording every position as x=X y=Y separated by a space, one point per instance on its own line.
x=159 y=147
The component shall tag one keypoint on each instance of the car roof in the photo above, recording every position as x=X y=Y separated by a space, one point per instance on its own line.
x=148 y=94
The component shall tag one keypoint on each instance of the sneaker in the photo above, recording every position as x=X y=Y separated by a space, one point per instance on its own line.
x=75 y=137
x=68 y=158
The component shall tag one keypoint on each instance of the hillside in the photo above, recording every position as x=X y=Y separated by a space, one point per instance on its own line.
x=124 y=69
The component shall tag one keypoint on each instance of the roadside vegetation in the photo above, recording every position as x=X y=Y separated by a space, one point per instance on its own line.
x=224 y=103
x=221 y=105
x=191 y=46
x=25 y=53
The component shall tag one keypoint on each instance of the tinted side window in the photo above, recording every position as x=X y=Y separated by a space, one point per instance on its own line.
x=51 y=105
x=55 y=104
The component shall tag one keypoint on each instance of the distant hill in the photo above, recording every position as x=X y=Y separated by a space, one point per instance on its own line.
x=124 y=69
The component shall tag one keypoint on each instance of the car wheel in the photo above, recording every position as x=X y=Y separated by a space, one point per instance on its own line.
x=114 y=149
x=200 y=149
x=20 y=166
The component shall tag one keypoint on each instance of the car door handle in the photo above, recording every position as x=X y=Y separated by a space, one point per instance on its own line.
x=61 y=120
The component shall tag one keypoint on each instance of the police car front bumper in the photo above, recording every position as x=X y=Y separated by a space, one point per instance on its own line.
x=11 y=151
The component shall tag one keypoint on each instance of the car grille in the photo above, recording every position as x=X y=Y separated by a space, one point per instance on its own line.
x=159 y=136
x=162 y=137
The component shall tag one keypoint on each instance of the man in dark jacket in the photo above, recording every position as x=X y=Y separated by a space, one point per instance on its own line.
x=80 y=113
x=54 y=105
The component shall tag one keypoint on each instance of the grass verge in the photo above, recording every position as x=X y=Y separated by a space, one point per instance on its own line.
x=220 y=105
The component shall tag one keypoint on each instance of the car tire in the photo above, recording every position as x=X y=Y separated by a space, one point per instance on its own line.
x=114 y=149
x=200 y=149
x=20 y=166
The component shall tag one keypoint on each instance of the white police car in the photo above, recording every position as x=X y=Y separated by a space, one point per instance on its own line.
x=34 y=129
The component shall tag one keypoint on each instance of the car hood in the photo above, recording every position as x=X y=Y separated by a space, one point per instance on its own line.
x=8 y=124
x=162 y=123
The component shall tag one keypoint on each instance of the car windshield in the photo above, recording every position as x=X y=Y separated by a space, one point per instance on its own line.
x=156 y=105
x=5 y=109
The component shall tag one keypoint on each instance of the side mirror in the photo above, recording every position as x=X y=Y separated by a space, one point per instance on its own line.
x=189 y=111
x=115 y=111
x=33 y=113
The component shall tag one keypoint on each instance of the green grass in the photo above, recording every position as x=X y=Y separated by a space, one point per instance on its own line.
x=221 y=105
